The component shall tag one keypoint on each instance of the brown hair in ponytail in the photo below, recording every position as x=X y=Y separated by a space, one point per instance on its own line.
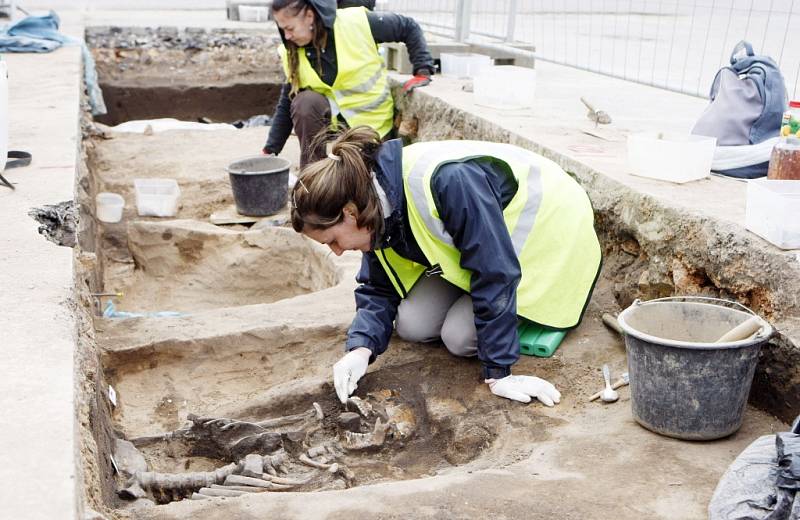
x=319 y=42
x=324 y=187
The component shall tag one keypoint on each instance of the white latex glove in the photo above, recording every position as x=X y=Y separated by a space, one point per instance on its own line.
x=348 y=370
x=522 y=388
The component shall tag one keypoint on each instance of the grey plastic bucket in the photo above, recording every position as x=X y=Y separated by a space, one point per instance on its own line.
x=683 y=384
x=260 y=184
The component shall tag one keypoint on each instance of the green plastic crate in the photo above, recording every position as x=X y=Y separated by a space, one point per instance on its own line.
x=535 y=340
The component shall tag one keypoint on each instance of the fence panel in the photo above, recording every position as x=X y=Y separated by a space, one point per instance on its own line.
x=677 y=45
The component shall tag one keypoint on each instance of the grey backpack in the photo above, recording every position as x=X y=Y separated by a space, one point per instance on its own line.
x=747 y=102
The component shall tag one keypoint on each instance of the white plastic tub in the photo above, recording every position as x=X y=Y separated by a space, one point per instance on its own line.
x=156 y=197
x=253 y=13
x=671 y=157
x=505 y=87
x=773 y=211
x=464 y=65
x=109 y=206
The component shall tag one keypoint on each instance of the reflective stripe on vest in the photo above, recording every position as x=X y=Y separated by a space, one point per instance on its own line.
x=361 y=102
x=417 y=186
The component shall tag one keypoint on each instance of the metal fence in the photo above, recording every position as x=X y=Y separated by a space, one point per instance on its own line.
x=676 y=45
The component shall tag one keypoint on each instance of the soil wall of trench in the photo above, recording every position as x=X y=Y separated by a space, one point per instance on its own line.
x=653 y=250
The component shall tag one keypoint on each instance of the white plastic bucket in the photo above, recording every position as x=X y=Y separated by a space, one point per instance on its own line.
x=109 y=206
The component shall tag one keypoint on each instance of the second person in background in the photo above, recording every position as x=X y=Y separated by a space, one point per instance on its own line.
x=334 y=72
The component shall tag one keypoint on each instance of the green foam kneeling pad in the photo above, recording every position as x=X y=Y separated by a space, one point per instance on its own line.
x=535 y=340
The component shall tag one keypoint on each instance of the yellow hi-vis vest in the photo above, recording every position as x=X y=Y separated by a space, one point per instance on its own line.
x=360 y=91
x=550 y=221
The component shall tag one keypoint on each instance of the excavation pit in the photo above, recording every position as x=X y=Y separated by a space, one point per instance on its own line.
x=414 y=420
x=190 y=74
x=186 y=266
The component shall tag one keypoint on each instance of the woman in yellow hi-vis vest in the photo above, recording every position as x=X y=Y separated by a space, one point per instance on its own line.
x=334 y=73
x=460 y=240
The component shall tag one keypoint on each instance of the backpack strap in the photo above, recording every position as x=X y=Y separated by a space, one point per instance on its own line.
x=742 y=45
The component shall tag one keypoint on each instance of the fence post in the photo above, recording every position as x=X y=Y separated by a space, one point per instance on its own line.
x=512 y=16
x=463 y=14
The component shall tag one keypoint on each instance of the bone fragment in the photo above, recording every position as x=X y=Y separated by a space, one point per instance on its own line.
x=318 y=410
x=362 y=441
x=316 y=451
x=314 y=464
x=211 y=492
x=334 y=469
x=356 y=404
x=253 y=465
x=198 y=496
x=144 y=481
x=285 y=481
x=275 y=462
x=239 y=480
x=129 y=459
x=244 y=489
x=287 y=419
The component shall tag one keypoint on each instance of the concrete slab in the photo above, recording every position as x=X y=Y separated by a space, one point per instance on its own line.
x=37 y=439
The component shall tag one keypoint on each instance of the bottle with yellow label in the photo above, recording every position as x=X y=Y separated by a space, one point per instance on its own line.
x=791 y=120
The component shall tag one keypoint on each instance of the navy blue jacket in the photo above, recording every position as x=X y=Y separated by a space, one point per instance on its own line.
x=470 y=197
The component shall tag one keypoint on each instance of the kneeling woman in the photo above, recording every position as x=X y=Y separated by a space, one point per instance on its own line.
x=460 y=240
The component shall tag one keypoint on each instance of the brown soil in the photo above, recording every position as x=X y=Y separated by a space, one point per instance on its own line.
x=185 y=265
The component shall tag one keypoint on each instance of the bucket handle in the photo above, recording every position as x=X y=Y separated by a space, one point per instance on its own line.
x=702 y=299
x=698 y=298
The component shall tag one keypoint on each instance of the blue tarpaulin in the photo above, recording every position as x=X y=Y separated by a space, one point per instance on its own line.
x=40 y=34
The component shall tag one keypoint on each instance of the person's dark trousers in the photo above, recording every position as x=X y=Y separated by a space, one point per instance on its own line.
x=311 y=114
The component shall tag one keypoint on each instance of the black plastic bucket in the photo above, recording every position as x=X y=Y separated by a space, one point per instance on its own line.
x=260 y=184
x=683 y=384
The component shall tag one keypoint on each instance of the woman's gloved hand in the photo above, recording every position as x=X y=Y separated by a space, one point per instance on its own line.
x=522 y=388
x=348 y=370
x=420 y=79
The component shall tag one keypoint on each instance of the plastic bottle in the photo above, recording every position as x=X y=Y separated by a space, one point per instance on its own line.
x=791 y=120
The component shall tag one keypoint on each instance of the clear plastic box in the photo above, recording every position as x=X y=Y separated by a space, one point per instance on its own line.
x=505 y=87
x=671 y=157
x=156 y=197
x=253 y=13
x=463 y=64
x=773 y=211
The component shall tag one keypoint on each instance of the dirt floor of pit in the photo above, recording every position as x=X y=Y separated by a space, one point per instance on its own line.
x=576 y=460
x=187 y=266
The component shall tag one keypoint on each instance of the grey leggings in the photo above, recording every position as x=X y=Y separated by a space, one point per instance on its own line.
x=437 y=309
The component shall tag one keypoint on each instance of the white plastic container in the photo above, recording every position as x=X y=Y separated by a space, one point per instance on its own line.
x=773 y=211
x=671 y=157
x=505 y=87
x=109 y=206
x=464 y=65
x=156 y=197
x=253 y=13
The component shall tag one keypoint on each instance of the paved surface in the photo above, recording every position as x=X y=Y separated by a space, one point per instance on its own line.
x=37 y=435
